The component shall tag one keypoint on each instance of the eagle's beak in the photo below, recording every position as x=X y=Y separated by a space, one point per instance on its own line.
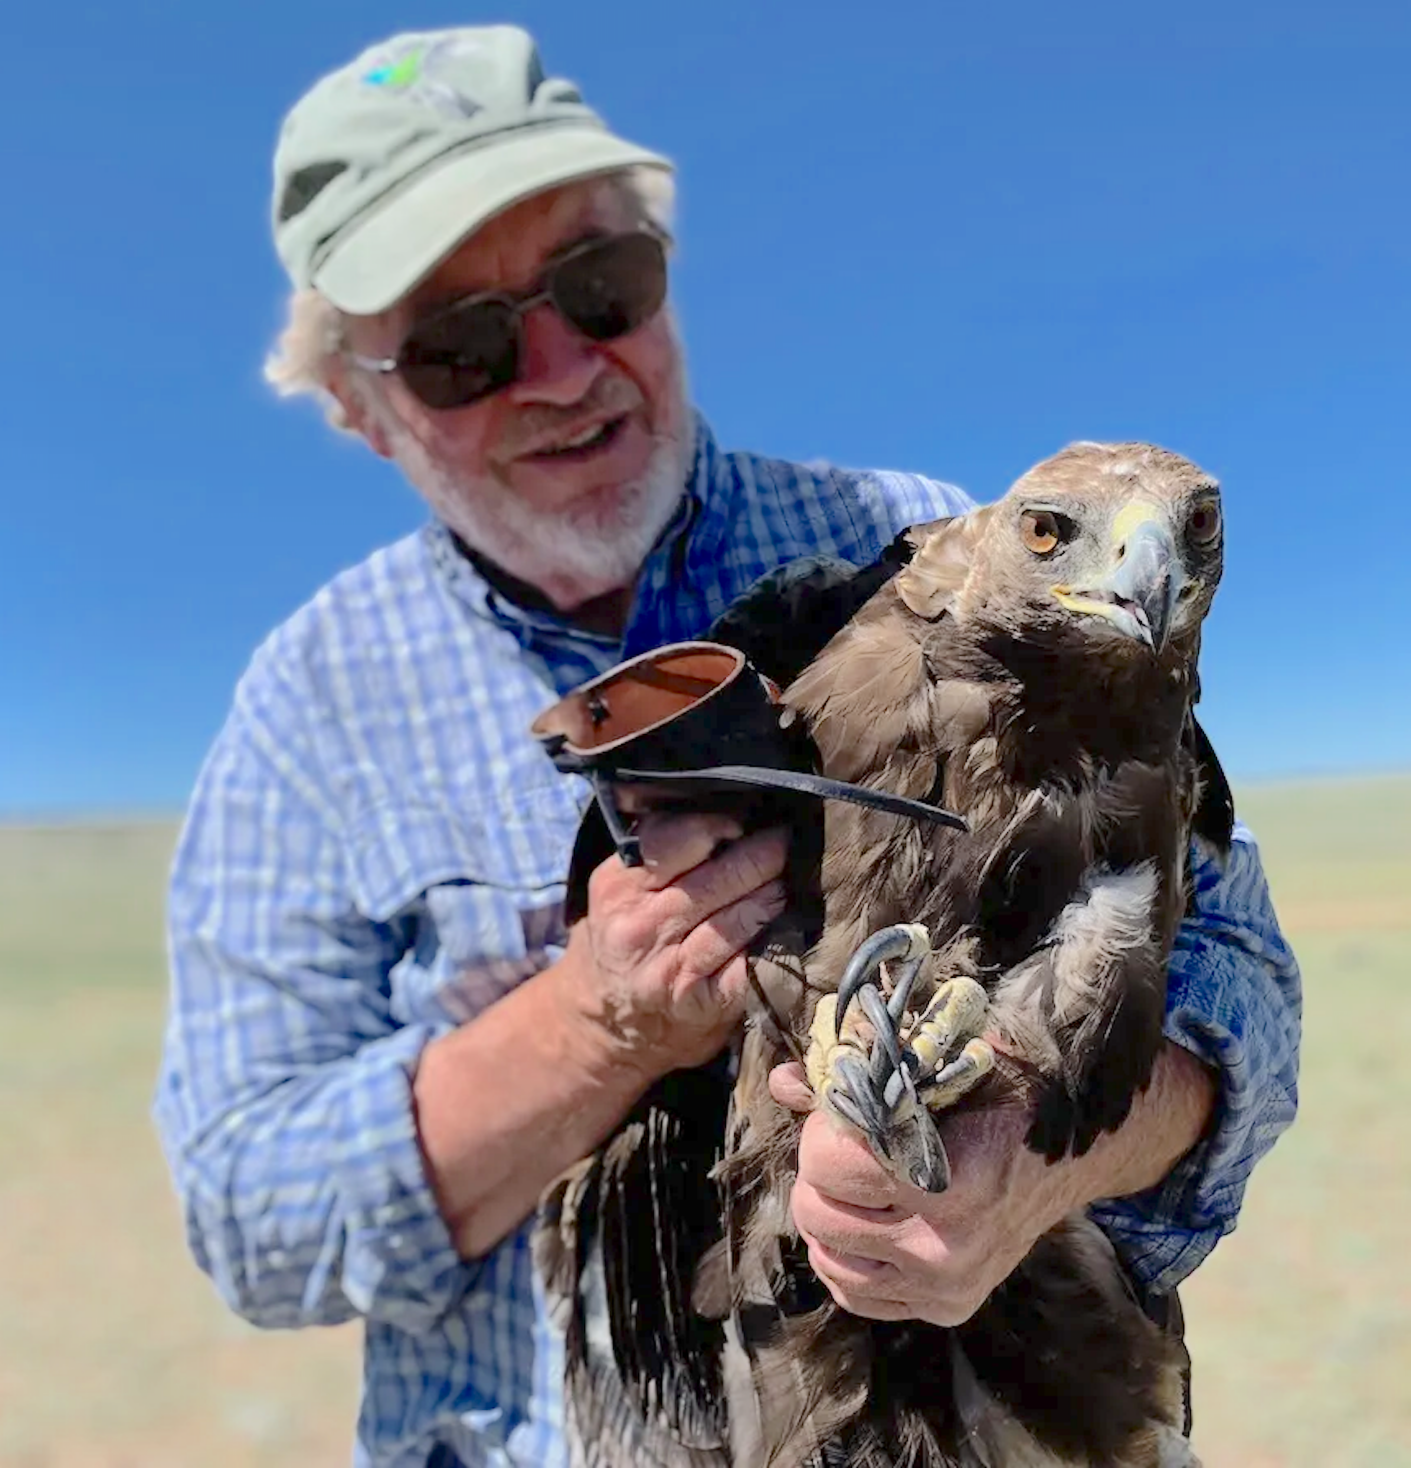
x=1139 y=595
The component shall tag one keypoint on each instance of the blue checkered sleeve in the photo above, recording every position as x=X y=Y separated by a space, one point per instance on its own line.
x=1234 y=1001
x=284 y=1100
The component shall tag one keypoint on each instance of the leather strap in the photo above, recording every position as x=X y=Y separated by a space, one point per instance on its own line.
x=800 y=784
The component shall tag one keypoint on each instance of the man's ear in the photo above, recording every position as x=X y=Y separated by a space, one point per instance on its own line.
x=351 y=397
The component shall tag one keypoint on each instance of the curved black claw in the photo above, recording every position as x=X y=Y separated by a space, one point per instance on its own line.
x=886 y=1047
x=900 y=1130
x=928 y=1167
x=856 y=1100
x=901 y=941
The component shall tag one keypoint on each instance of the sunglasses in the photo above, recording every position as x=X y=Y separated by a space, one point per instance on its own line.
x=604 y=288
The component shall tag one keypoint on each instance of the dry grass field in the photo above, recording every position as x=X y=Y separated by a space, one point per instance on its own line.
x=115 y=1354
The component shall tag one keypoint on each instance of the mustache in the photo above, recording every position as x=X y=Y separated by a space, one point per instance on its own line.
x=610 y=396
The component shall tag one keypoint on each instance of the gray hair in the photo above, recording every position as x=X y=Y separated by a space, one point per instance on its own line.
x=314 y=330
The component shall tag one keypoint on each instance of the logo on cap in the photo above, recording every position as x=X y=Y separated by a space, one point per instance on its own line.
x=422 y=73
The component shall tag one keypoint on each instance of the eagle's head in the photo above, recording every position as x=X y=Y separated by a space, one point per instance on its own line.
x=1125 y=538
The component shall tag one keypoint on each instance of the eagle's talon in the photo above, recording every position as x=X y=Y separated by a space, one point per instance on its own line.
x=886 y=1083
x=958 y=1076
x=951 y=1023
x=886 y=1044
x=930 y=1170
x=902 y=941
x=836 y=1066
x=851 y=1093
x=839 y=1070
x=868 y=1080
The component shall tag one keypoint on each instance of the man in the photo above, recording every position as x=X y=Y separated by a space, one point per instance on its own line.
x=382 y=1044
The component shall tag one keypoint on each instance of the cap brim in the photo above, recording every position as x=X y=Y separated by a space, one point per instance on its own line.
x=406 y=235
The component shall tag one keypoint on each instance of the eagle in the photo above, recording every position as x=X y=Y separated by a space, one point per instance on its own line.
x=1032 y=667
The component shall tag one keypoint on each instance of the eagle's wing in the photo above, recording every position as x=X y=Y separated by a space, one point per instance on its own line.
x=1214 y=817
x=1084 y=1006
x=790 y=613
x=617 y=1245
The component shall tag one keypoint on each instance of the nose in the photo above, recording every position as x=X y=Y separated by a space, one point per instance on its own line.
x=558 y=365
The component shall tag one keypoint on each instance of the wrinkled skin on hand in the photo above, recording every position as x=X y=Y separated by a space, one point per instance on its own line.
x=889 y=1251
x=658 y=963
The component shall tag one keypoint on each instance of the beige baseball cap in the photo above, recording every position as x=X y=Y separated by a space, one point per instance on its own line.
x=384 y=166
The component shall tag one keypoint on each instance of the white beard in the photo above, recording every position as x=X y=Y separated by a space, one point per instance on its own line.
x=591 y=548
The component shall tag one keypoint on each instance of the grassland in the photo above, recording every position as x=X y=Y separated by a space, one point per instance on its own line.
x=115 y=1354
x=1300 y=1322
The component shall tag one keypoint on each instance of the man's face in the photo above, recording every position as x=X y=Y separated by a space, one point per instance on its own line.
x=567 y=476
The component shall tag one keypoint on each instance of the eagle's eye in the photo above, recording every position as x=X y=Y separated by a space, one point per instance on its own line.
x=1042 y=531
x=1203 y=524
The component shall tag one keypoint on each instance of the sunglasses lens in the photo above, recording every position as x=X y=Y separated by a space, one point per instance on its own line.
x=461 y=354
x=470 y=350
x=612 y=288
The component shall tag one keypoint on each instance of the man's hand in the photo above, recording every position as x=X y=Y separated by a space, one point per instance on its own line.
x=888 y=1251
x=651 y=980
x=657 y=966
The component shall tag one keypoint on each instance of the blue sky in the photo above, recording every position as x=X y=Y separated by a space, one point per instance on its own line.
x=930 y=236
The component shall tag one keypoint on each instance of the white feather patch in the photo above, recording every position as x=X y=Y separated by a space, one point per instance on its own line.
x=1093 y=934
x=1089 y=938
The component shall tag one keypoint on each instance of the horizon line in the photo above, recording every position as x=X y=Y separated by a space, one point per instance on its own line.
x=20 y=819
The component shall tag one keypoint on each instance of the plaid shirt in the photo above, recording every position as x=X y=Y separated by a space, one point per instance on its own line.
x=374 y=854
